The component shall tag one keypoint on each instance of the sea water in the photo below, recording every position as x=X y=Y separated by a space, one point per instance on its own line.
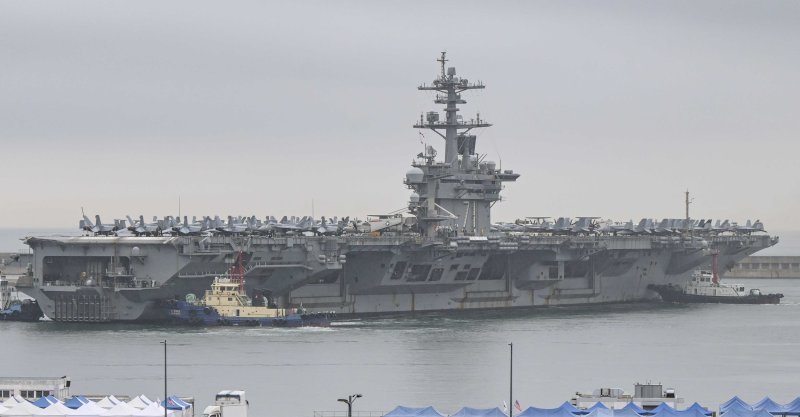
x=708 y=353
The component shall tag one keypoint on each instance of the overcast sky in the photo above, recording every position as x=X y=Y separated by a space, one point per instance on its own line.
x=608 y=109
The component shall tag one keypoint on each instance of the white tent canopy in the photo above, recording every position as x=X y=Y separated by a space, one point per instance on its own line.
x=23 y=409
x=57 y=410
x=108 y=402
x=138 y=403
x=90 y=410
x=12 y=401
x=154 y=410
x=122 y=410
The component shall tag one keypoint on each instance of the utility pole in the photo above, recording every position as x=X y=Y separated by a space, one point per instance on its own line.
x=165 y=377
x=510 y=379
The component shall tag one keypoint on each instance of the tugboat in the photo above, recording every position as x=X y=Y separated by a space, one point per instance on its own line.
x=705 y=287
x=14 y=309
x=227 y=304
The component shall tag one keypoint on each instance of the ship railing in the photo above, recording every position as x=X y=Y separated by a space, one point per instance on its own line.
x=343 y=413
x=272 y=264
x=389 y=240
x=136 y=283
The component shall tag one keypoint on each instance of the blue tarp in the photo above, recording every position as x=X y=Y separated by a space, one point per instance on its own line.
x=479 y=412
x=175 y=403
x=76 y=402
x=401 y=411
x=45 y=402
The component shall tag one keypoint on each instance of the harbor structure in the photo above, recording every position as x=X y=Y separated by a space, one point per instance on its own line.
x=766 y=267
x=32 y=388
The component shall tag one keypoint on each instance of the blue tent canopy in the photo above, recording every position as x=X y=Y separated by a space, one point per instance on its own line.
x=479 y=412
x=792 y=407
x=742 y=412
x=794 y=404
x=45 y=402
x=76 y=402
x=699 y=408
x=741 y=407
x=597 y=406
x=692 y=412
x=565 y=410
x=734 y=402
x=769 y=405
x=627 y=412
x=401 y=411
x=175 y=403
x=601 y=412
x=633 y=407
x=661 y=408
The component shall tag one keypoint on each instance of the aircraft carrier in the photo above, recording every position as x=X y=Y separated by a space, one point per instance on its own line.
x=441 y=253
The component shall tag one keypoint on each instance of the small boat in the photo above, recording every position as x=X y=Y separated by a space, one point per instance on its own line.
x=706 y=288
x=14 y=308
x=226 y=304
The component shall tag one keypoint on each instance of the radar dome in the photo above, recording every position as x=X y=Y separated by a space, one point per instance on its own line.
x=415 y=175
x=135 y=251
x=414 y=198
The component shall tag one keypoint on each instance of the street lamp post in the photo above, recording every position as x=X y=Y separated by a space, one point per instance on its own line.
x=510 y=379
x=165 y=377
x=349 y=401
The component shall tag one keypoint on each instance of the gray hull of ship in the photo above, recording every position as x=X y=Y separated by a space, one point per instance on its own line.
x=101 y=279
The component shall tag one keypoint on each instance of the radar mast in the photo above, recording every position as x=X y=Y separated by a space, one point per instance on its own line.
x=453 y=196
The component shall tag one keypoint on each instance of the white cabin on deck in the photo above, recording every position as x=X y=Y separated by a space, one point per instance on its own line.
x=702 y=283
x=228 y=404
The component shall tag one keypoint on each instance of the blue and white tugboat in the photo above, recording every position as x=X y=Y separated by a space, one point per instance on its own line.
x=227 y=304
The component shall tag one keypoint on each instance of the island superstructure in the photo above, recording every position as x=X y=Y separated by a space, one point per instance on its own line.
x=443 y=254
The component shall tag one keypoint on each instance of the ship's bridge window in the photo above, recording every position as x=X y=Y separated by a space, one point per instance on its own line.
x=4 y=393
x=467 y=266
x=461 y=275
x=453 y=267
